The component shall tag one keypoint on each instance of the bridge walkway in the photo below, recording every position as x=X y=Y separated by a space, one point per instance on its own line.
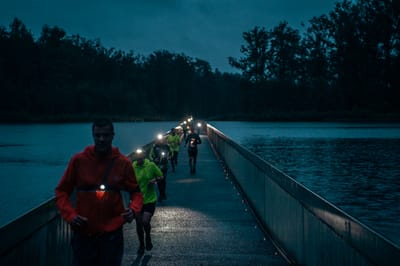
x=204 y=221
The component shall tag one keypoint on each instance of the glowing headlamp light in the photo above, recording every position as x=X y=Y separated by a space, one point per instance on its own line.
x=102 y=187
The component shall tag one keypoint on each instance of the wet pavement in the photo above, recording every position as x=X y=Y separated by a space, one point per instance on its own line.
x=204 y=221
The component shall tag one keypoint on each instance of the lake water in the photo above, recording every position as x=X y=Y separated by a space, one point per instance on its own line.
x=354 y=166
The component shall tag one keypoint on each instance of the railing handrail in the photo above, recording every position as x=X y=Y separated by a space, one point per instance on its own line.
x=12 y=233
x=338 y=220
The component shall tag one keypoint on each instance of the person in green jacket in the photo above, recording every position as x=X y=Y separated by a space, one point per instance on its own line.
x=174 y=141
x=147 y=175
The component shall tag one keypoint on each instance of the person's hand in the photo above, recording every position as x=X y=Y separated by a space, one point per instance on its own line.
x=128 y=215
x=79 y=222
x=152 y=182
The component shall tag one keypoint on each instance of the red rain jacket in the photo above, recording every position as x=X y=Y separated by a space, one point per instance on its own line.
x=103 y=209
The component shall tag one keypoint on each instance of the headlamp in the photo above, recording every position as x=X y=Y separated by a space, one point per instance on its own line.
x=102 y=187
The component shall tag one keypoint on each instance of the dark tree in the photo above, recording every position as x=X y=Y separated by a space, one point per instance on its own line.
x=253 y=62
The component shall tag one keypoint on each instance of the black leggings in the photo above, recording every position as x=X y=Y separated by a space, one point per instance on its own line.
x=143 y=221
x=105 y=249
x=192 y=157
x=174 y=158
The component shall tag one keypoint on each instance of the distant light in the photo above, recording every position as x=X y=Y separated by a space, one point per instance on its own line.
x=198 y=124
x=139 y=151
x=102 y=187
x=159 y=136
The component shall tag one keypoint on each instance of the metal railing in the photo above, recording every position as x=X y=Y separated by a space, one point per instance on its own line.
x=309 y=229
x=39 y=237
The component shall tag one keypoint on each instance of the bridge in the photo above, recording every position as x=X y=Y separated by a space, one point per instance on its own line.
x=236 y=210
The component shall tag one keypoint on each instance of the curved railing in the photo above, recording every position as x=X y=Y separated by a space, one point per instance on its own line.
x=309 y=229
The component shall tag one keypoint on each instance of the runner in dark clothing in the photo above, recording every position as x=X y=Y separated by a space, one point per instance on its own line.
x=192 y=140
x=160 y=154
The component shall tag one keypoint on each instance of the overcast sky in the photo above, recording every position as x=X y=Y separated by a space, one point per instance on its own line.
x=210 y=30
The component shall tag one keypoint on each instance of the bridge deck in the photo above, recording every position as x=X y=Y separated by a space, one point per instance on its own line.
x=204 y=221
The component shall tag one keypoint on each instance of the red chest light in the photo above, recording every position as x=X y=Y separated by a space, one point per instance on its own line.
x=101 y=191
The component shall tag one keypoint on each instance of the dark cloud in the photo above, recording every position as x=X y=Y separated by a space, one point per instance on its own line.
x=207 y=29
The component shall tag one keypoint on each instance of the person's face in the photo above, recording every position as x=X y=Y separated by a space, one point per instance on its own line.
x=140 y=160
x=103 y=137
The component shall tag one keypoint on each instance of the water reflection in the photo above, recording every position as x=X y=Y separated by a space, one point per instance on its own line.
x=361 y=176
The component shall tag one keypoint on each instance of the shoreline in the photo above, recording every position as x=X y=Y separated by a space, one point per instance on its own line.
x=362 y=117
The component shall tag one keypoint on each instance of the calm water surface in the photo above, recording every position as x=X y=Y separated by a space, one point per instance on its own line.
x=354 y=166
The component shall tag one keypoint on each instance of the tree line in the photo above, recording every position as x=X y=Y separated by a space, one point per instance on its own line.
x=344 y=64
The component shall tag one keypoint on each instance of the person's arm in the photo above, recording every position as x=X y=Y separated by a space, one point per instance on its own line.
x=63 y=192
x=156 y=172
x=187 y=139
x=136 y=197
x=178 y=140
x=152 y=154
x=170 y=151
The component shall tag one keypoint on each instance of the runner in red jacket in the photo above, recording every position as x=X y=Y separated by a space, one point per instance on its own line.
x=98 y=174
